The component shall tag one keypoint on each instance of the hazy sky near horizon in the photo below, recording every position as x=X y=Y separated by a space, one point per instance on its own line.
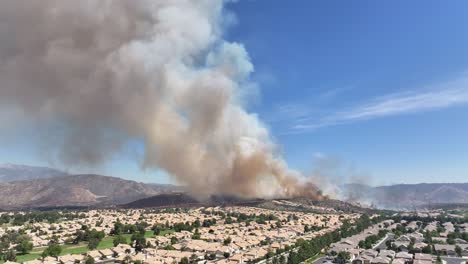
x=367 y=91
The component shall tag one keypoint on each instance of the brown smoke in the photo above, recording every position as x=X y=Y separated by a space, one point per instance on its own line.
x=104 y=72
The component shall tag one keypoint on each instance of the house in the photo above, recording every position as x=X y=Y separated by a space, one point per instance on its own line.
x=380 y=260
x=390 y=254
x=404 y=255
x=35 y=261
x=370 y=252
x=439 y=239
x=94 y=254
x=464 y=248
x=106 y=253
x=70 y=259
x=50 y=260
x=422 y=258
x=404 y=238
x=418 y=247
x=122 y=249
x=366 y=258
x=358 y=260
x=443 y=249
x=417 y=237
x=236 y=258
x=11 y=262
x=400 y=261
x=354 y=252
x=401 y=245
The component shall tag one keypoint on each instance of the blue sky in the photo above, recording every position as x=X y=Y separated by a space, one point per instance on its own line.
x=378 y=87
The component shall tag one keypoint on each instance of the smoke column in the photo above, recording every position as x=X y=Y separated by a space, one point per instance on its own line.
x=106 y=72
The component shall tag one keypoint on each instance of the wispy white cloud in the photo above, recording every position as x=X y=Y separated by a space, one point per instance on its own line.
x=439 y=96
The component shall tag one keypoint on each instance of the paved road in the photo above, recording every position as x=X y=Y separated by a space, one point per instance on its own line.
x=320 y=260
x=382 y=244
x=454 y=260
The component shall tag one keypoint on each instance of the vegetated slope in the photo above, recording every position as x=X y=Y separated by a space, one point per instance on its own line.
x=164 y=200
x=15 y=172
x=74 y=190
x=314 y=206
x=408 y=196
x=185 y=200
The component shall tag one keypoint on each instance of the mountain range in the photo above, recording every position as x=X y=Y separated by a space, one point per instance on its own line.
x=75 y=190
x=407 y=196
x=24 y=186
x=13 y=172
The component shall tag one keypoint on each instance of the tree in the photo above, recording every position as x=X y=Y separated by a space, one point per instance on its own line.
x=342 y=257
x=24 y=247
x=228 y=220
x=184 y=260
x=93 y=243
x=196 y=224
x=118 y=228
x=227 y=241
x=157 y=229
x=427 y=249
x=196 y=235
x=226 y=254
x=282 y=259
x=119 y=240
x=458 y=250
x=9 y=255
x=89 y=260
x=278 y=224
x=193 y=258
x=52 y=250
x=139 y=240
x=127 y=259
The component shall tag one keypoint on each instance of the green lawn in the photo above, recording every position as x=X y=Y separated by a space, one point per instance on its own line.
x=75 y=250
x=27 y=257
x=165 y=232
x=81 y=248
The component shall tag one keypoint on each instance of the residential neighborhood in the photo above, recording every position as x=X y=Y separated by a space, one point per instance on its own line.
x=215 y=235
x=423 y=240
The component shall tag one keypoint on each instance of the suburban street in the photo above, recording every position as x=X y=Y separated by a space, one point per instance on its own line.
x=382 y=244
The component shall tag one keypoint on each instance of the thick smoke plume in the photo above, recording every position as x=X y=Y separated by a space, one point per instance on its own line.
x=106 y=72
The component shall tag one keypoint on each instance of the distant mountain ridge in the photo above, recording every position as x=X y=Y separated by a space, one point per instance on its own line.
x=14 y=172
x=24 y=186
x=75 y=190
x=407 y=196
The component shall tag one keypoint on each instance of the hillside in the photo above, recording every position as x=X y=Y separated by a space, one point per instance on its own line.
x=75 y=190
x=408 y=196
x=185 y=200
x=14 y=172
x=309 y=205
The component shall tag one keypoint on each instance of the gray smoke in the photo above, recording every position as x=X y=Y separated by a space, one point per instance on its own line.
x=104 y=72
